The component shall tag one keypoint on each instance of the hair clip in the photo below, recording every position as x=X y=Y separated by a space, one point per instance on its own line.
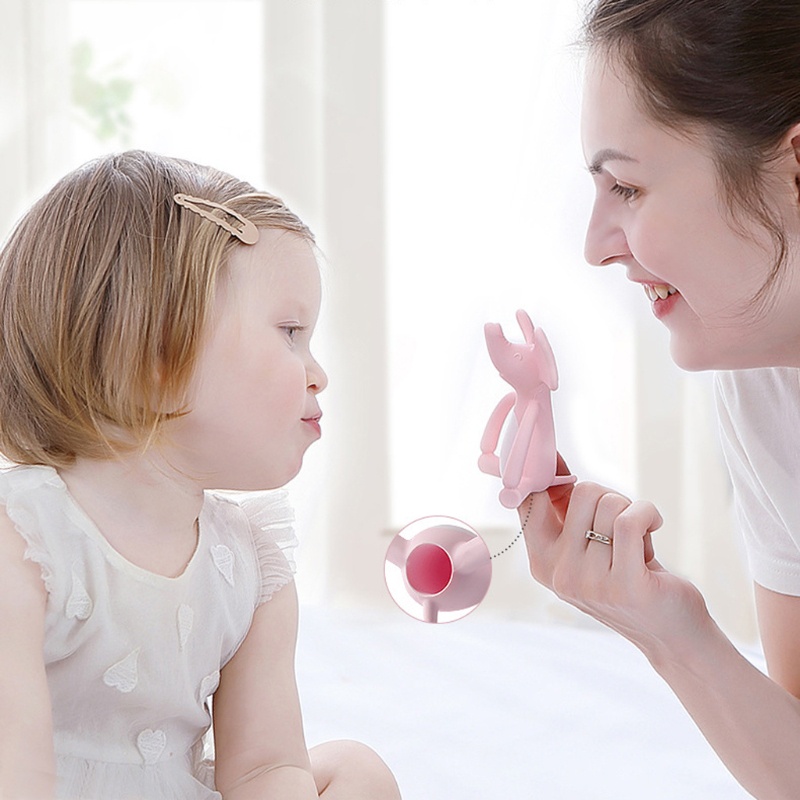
x=247 y=233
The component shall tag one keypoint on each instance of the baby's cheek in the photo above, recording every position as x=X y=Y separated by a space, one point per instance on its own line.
x=284 y=392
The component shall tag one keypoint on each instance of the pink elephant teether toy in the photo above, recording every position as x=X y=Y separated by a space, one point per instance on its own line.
x=527 y=461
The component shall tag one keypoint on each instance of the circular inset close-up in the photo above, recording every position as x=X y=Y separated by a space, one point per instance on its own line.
x=438 y=569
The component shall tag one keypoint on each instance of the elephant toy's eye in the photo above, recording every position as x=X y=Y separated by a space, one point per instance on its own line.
x=518 y=356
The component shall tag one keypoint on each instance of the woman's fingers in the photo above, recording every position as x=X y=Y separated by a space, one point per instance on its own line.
x=649 y=551
x=555 y=522
x=542 y=516
x=609 y=507
x=620 y=584
x=598 y=554
x=541 y=525
x=633 y=547
x=582 y=515
x=565 y=513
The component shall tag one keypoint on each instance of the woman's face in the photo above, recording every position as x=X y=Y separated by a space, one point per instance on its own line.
x=660 y=212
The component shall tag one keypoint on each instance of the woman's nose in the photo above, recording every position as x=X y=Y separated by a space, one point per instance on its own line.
x=606 y=242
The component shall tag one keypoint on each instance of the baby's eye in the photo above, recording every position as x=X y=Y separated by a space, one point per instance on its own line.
x=627 y=193
x=291 y=331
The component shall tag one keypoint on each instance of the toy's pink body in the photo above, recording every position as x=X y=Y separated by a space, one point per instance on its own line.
x=527 y=460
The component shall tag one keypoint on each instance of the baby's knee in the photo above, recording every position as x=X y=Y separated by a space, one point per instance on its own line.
x=347 y=768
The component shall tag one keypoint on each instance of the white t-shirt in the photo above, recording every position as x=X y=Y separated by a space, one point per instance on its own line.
x=759 y=413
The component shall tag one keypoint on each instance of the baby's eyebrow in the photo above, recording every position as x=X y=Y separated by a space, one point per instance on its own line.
x=609 y=154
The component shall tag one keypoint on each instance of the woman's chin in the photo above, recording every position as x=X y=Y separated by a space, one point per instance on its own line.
x=692 y=359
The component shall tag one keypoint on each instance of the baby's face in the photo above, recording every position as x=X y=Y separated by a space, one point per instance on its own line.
x=253 y=397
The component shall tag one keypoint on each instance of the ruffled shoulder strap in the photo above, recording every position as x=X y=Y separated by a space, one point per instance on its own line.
x=29 y=494
x=271 y=518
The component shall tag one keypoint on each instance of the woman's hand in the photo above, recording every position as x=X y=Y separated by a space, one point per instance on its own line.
x=751 y=722
x=621 y=585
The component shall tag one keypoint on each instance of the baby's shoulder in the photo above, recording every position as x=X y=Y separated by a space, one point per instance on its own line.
x=262 y=525
x=34 y=513
x=22 y=588
x=254 y=515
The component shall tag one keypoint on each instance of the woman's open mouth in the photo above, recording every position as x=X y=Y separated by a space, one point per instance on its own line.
x=662 y=296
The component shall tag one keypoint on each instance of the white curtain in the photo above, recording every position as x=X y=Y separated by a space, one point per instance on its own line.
x=34 y=101
x=434 y=148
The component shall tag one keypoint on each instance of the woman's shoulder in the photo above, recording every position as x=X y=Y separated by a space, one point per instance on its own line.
x=758 y=391
x=759 y=415
x=759 y=412
x=760 y=408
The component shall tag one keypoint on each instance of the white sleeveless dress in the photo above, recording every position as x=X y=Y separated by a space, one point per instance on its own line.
x=133 y=657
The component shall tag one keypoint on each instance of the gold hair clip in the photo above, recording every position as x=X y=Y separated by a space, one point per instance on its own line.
x=247 y=233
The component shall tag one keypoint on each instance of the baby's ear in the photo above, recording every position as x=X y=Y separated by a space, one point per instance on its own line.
x=526 y=325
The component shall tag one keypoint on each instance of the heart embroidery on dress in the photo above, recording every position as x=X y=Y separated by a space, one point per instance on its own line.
x=151 y=745
x=223 y=560
x=209 y=685
x=185 y=622
x=124 y=675
x=79 y=604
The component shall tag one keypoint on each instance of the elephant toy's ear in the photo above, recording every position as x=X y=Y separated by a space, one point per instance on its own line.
x=526 y=325
x=493 y=332
x=547 y=360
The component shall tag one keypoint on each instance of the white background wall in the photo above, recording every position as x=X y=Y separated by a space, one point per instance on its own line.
x=433 y=146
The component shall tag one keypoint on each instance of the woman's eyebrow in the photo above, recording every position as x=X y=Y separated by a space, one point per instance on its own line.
x=609 y=154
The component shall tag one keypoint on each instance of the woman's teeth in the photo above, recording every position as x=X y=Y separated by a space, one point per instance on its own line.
x=659 y=291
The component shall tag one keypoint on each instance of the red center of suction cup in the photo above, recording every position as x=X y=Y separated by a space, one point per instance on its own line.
x=429 y=568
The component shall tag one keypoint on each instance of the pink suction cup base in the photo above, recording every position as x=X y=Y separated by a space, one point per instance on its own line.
x=437 y=569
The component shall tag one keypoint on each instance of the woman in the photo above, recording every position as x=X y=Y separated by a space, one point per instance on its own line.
x=691 y=131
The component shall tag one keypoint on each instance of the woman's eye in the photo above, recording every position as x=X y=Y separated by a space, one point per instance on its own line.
x=627 y=193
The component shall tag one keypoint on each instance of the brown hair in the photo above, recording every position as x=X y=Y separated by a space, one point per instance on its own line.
x=105 y=288
x=729 y=65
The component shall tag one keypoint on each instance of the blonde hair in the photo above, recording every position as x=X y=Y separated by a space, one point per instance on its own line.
x=105 y=289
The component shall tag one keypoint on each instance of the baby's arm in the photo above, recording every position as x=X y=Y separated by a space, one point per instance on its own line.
x=258 y=730
x=27 y=762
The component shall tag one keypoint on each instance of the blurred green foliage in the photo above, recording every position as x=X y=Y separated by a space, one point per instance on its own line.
x=101 y=101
